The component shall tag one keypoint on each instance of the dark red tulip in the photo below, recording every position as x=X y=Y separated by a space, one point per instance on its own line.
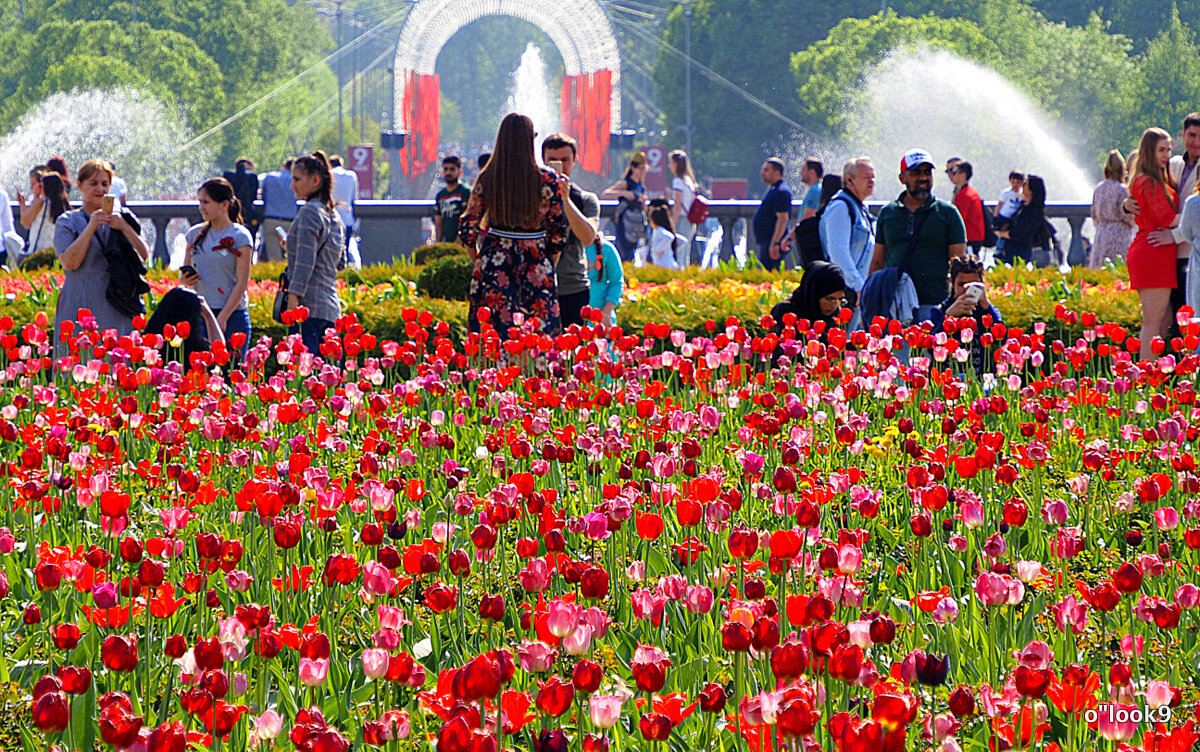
x=65 y=636
x=962 y=702
x=735 y=637
x=287 y=534
x=593 y=585
x=655 y=727
x=76 y=680
x=131 y=550
x=549 y=741
x=51 y=712
x=586 y=676
x=1032 y=683
x=743 y=543
x=48 y=576
x=119 y=653
x=713 y=698
x=491 y=607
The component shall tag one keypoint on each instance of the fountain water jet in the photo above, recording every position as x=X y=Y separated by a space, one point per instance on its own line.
x=530 y=95
x=956 y=108
x=133 y=129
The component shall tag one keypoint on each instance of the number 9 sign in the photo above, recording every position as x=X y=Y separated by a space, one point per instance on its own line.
x=656 y=173
x=362 y=163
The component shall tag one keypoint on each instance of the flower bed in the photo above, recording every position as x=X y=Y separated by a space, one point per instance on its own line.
x=687 y=300
x=603 y=541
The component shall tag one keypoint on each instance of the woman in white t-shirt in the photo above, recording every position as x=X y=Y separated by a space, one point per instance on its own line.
x=218 y=257
x=665 y=244
x=684 y=187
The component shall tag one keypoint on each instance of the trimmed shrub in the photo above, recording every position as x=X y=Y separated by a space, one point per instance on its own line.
x=43 y=259
x=427 y=254
x=448 y=278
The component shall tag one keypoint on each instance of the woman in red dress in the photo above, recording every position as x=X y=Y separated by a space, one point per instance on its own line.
x=1152 y=267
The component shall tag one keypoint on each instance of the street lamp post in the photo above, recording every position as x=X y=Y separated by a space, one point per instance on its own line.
x=687 y=73
x=341 y=70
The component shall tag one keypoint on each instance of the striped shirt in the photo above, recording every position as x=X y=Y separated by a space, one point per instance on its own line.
x=316 y=252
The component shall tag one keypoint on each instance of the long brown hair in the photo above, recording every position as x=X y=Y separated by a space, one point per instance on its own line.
x=219 y=190
x=318 y=164
x=681 y=166
x=511 y=181
x=1147 y=163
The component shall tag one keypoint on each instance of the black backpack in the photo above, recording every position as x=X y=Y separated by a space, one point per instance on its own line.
x=989 y=230
x=807 y=235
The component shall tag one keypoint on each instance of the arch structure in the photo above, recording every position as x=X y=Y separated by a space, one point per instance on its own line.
x=590 y=105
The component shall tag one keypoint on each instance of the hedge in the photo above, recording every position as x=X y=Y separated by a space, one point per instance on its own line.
x=684 y=300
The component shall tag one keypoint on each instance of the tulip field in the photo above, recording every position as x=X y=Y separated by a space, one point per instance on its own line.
x=604 y=540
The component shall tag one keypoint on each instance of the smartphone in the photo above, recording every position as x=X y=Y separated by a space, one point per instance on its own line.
x=974 y=292
x=187 y=270
x=556 y=165
x=282 y=233
x=109 y=201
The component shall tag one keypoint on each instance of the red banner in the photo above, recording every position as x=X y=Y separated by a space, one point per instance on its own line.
x=585 y=113
x=421 y=109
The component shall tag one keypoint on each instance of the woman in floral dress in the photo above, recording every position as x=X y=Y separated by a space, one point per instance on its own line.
x=514 y=229
x=1114 y=227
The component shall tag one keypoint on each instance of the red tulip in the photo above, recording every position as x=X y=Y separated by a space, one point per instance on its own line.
x=1128 y=578
x=119 y=653
x=655 y=727
x=1032 y=682
x=555 y=696
x=743 y=543
x=76 y=680
x=586 y=676
x=51 y=712
x=65 y=636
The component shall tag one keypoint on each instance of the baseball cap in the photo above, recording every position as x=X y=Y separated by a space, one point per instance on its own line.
x=914 y=157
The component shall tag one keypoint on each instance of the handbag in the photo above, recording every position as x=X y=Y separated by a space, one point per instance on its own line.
x=698 y=211
x=881 y=290
x=281 y=300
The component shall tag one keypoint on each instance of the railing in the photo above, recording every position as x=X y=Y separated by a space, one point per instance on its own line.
x=392 y=229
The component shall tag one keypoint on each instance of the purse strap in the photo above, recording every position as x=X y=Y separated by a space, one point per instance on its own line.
x=914 y=237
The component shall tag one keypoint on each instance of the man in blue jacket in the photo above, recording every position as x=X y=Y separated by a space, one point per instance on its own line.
x=848 y=230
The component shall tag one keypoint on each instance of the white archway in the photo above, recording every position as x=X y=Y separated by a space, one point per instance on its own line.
x=580 y=30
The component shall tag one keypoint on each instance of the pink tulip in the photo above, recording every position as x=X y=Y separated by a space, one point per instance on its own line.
x=1187 y=596
x=535 y=656
x=699 y=599
x=104 y=595
x=1036 y=655
x=1115 y=730
x=578 y=641
x=535 y=576
x=850 y=558
x=377 y=579
x=265 y=728
x=1054 y=512
x=391 y=617
x=562 y=618
x=1070 y=614
x=972 y=515
x=314 y=672
x=1166 y=518
x=604 y=710
x=1158 y=693
x=375 y=662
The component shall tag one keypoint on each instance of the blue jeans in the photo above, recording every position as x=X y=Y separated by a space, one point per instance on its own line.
x=312 y=331
x=239 y=321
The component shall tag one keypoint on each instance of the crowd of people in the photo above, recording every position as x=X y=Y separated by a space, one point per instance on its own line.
x=534 y=237
x=306 y=217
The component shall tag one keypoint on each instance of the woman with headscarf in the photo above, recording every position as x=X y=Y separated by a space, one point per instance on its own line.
x=819 y=297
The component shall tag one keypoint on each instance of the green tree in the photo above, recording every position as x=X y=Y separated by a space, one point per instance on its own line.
x=1170 y=79
x=257 y=45
x=106 y=54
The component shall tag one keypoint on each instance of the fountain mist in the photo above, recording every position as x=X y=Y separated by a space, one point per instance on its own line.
x=135 y=130
x=530 y=95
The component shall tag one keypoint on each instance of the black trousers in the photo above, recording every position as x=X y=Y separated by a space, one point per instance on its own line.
x=570 y=307
x=1178 y=296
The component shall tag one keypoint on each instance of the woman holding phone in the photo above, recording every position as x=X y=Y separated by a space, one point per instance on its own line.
x=219 y=253
x=79 y=239
x=515 y=228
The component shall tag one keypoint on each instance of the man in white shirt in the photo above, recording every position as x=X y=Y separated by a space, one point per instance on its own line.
x=345 y=193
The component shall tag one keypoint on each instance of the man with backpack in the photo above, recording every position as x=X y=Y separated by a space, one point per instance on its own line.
x=916 y=236
x=847 y=228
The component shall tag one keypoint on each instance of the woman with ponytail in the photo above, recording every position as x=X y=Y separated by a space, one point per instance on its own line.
x=316 y=250
x=219 y=253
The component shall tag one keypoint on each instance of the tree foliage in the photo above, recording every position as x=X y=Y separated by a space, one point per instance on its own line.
x=206 y=60
x=1169 y=80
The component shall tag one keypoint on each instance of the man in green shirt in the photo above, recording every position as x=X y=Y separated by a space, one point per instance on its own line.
x=943 y=234
x=450 y=202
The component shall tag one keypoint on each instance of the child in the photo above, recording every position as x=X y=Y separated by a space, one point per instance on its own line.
x=606 y=278
x=1008 y=203
x=663 y=241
